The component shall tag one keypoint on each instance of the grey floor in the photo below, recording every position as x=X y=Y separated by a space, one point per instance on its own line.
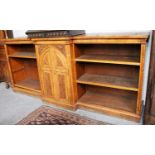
x=15 y=106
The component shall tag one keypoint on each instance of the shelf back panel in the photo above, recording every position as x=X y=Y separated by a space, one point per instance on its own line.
x=108 y=69
x=105 y=49
x=12 y=49
x=24 y=69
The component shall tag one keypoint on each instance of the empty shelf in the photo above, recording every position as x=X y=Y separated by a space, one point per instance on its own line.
x=29 y=84
x=109 y=81
x=109 y=59
x=101 y=100
x=23 y=55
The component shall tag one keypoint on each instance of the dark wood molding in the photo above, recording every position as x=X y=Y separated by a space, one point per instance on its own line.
x=149 y=117
x=9 y=33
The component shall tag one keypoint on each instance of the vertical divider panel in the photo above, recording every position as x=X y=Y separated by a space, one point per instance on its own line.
x=9 y=66
x=141 y=75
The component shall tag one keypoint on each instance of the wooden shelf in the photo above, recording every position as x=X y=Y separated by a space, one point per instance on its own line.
x=124 y=60
x=109 y=81
x=104 y=100
x=30 y=55
x=29 y=84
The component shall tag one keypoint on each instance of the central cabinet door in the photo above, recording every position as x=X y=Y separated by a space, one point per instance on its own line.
x=54 y=68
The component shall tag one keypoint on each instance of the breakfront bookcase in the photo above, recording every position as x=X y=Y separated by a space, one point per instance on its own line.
x=103 y=73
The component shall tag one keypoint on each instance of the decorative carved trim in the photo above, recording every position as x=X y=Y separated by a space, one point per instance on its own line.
x=61 y=48
x=41 y=48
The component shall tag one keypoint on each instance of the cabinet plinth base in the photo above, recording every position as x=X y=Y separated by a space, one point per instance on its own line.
x=26 y=91
x=54 y=103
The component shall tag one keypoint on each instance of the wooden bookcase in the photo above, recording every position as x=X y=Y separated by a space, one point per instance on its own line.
x=23 y=66
x=101 y=73
x=109 y=74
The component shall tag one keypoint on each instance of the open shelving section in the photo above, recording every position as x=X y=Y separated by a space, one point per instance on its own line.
x=109 y=75
x=21 y=51
x=101 y=97
x=23 y=66
x=125 y=54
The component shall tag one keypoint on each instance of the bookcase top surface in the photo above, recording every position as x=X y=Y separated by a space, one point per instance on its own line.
x=80 y=37
x=114 y=36
x=17 y=41
x=26 y=40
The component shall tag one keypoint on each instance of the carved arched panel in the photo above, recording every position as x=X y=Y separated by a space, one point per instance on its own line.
x=45 y=56
x=46 y=76
x=60 y=57
x=54 y=73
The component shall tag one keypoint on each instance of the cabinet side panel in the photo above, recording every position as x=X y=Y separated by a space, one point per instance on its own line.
x=140 y=84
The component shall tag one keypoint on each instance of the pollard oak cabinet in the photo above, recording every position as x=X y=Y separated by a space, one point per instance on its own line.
x=103 y=73
x=55 y=69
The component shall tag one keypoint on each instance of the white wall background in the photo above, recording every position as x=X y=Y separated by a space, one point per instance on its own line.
x=21 y=34
x=146 y=67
